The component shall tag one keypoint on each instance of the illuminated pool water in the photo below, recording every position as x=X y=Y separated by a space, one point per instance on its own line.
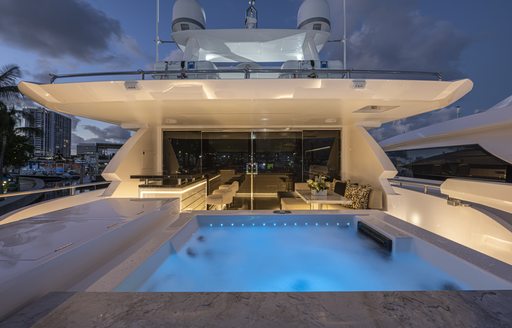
x=286 y=256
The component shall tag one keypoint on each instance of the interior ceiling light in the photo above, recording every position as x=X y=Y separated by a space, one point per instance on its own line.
x=170 y=121
x=331 y=120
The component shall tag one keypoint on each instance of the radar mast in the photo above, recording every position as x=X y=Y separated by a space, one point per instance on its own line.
x=251 y=16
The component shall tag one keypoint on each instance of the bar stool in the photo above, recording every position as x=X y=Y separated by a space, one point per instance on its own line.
x=219 y=199
x=226 y=194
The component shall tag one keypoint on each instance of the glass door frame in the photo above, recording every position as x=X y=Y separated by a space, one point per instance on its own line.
x=250 y=168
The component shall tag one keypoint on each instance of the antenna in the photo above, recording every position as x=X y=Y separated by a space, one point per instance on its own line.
x=251 y=15
x=344 y=35
x=157 y=40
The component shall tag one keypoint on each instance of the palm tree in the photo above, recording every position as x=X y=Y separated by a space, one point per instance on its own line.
x=12 y=139
x=8 y=77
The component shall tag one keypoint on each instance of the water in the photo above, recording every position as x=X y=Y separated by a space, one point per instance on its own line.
x=291 y=258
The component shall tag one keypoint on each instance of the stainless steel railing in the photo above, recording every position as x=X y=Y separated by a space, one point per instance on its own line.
x=246 y=73
x=72 y=190
x=425 y=185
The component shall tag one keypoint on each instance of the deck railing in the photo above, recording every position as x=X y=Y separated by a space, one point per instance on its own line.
x=72 y=190
x=249 y=73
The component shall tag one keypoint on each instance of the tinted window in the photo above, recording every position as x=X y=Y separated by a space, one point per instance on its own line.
x=322 y=153
x=468 y=161
x=182 y=152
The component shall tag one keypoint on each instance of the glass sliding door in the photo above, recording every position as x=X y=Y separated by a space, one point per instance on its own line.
x=277 y=158
x=264 y=163
x=228 y=154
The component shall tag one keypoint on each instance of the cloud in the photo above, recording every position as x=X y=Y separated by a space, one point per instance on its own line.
x=59 y=28
x=76 y=139
x=111 y=133
x=394 y=35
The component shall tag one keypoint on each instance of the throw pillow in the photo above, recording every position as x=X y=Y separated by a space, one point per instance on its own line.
x=361 y=198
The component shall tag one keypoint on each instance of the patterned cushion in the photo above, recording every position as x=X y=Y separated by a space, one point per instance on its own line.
x=351 y=190
x=361 y=198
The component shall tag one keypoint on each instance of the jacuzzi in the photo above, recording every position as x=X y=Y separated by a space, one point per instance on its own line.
x=304 y=252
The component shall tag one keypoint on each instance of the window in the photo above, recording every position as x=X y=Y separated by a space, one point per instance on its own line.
x=322 y=153
x=467 y=161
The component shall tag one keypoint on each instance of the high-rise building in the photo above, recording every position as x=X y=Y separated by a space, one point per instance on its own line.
x=54 y=132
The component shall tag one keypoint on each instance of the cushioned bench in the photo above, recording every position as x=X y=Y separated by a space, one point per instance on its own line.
x=288 y=203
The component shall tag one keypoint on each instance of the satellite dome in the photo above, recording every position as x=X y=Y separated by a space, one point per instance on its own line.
x=187 y=15
x=314 y=15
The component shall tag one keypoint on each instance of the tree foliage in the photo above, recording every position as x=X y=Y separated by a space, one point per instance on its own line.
x=15 y=146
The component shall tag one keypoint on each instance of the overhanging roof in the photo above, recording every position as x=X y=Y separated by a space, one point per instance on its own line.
x=263 y=103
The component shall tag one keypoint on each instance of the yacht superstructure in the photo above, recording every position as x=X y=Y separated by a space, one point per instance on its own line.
x=245 y=118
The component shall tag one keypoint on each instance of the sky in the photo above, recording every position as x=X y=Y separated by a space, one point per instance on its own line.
x=459 y=38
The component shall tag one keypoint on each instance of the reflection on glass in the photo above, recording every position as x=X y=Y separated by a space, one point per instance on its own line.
x=278 y=156
x=182 y=152
x=322 y=153
x=468 y=161
x=226 y=151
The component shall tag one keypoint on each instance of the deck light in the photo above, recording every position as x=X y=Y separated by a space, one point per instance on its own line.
x=131 y=85
x=359 y=84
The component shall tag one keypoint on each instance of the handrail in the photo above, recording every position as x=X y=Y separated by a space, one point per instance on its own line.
x=346 y=73
x=42 y=191
x=424 y=184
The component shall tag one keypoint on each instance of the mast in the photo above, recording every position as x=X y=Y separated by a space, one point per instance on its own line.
x=344 y=35
x=157 y=39
x=251 y=15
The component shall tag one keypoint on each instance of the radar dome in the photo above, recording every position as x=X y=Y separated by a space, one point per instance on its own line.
x=314 y=15
x=187 y=15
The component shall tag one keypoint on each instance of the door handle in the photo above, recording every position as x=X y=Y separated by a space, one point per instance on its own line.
x=251 y=168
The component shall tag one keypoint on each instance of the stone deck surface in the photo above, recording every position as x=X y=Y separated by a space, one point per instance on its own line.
x=366 y=309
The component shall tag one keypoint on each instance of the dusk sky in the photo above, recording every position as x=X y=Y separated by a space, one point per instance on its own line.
x=458 y=38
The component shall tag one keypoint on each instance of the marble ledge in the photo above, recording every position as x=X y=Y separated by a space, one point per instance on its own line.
x=359 y=309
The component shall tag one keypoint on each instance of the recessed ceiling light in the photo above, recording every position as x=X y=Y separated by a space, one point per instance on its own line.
x=331 y=120
x=170 y=121
x=264 y=119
